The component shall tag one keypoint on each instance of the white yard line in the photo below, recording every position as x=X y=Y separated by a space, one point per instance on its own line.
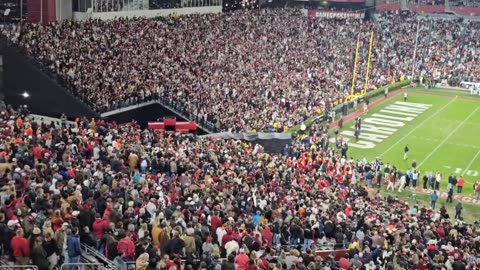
x=448 y=137
x=419 y=125
x=471 y=162
x=450 y=143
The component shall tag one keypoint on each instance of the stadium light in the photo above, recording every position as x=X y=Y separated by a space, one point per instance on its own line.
x=25 y=94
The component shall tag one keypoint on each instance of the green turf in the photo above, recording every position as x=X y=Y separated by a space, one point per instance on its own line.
x=442 y=139
x=471 y=213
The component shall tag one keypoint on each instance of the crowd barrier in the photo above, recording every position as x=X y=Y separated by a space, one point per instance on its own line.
x=18 y=267
x=99 y=256
x=82 y=266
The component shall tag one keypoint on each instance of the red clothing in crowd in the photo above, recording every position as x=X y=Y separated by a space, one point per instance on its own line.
x=228 y=237
x=99 y=227
x=20 y=247
x=348 y=210
x=242 y=261
x=108 y=212
x=37 y=152
x=216 y=222
x=461 y=182
x=126 y=245
x=267 y=236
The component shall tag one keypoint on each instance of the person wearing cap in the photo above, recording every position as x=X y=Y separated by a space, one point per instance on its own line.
x=20 y=248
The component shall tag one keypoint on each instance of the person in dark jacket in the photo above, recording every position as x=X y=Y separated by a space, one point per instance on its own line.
x=73 y=248
x=86 y=237
x=39 y=256
x=229 y=264
x=51 y=249
x=175 y=245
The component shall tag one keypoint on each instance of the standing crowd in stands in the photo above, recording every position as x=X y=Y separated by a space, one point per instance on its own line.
x=265 y=70
x=160 y=200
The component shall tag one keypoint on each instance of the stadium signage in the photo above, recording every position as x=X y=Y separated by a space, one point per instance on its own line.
x=381 y=125
x=339 y=15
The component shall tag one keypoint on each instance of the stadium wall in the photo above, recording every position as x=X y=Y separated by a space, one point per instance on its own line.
x=146 y=13
x=47 y=97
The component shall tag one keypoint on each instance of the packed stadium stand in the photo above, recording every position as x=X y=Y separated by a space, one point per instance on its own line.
x=91 y=193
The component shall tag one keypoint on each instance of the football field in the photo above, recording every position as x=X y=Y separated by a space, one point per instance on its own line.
x=442 y=132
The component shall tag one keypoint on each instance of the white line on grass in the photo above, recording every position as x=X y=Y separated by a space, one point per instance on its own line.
x=415 y=128
x=450 y=143
x=448 y=137
x=471 y=162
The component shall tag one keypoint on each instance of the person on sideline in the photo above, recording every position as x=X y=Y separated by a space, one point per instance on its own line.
x=458 y=211
x=434 y=199
x=405 y=152
x=460 y=184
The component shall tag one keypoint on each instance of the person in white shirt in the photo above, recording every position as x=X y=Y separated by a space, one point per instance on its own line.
x=402 y=183
x=231 y=246
x=220 y=233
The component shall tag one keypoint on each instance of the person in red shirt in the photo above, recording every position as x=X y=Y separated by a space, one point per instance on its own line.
x=460 y=184
x=242 y=260
x=37 y=152
x=99 y=227
x=127 y=247
x=215 y=221
x=20 y=248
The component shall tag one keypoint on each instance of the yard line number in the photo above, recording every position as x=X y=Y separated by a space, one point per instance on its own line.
x=471 y=173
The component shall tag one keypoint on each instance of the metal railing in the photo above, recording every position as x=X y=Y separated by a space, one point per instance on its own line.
x=99 y=256
x=19 y=267
x=81 y=266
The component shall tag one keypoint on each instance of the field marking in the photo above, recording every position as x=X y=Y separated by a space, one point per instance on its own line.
x=448 y=137
x=438 y=140
x=415 y=128
x=471 y=162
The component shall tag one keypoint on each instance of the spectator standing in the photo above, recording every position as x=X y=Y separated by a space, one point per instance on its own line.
x=39 y=256
x=100 y=226
x=142 y=262
x=242 y=260
x=126 y=246
x=21 y=248
x=61 y=239
x=73 y=249
x=51 y=249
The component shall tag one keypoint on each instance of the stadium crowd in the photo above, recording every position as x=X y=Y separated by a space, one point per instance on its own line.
x=447 y=49
x=283 y=71
x=149 y=198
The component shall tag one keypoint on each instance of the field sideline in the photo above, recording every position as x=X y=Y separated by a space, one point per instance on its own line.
x=440 y=129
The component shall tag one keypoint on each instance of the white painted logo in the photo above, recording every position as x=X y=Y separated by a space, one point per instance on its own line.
x=379 y=126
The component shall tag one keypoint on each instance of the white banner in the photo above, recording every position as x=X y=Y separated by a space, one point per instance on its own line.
x=339 y=15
